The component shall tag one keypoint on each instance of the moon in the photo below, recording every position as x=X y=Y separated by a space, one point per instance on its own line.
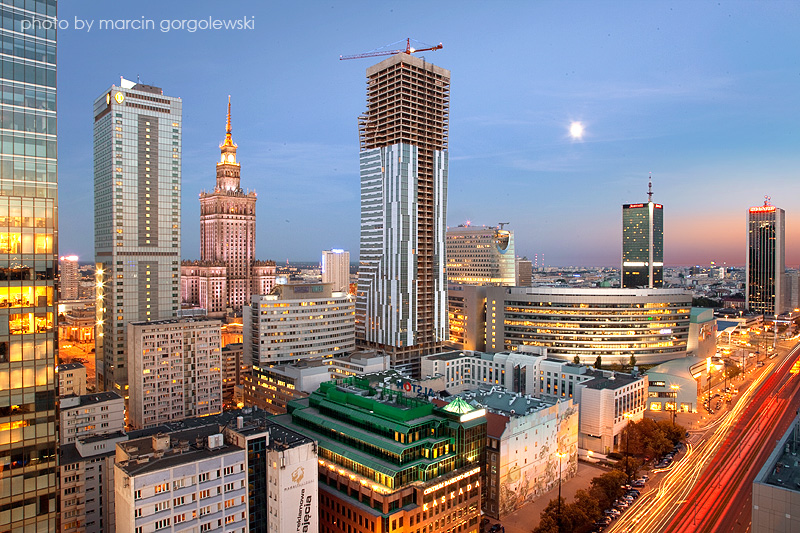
x=576 y=130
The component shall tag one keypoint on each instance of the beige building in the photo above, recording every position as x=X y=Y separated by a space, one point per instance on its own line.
x=90 y=414
x=175 y=370
x=480 y=255
x=336 y=269
x=68 y=277
x=71 y=379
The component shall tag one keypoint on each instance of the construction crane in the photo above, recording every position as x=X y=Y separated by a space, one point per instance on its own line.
x=501 y=224
x=378 y=52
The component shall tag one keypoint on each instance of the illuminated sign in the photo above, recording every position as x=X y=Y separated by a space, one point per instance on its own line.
x=665 y=331
x=659 y=206
x=472 y=415
x=633 y=206
x=453 y=480
x=762 y=209
x=119 y=97
x=415 y=388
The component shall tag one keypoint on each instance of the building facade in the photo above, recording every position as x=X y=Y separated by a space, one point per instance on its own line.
x=28 y=267
x=68 y=277
x=71 y=379
x=90 y=414
x=227 y=274
x=336 y=269
x=650 y=324
x=776 y=495
x=388 y=462
x=137 y=192
x=524 y=276
x=402 y=286
x=766 y=260
x=175 y=370
x=482 y=255
x=643 y=244
x=466 y=316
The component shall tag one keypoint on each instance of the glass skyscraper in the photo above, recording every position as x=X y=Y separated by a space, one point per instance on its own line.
x=766 y=260
x=28 y=262
x=643 y=245
x=137 y=221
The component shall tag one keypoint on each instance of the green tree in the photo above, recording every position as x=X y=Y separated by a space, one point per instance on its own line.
x=629 y=464
x=607 y=488
x=576 y=359
x=674 y=433
x=633 y=361
x=598 y=363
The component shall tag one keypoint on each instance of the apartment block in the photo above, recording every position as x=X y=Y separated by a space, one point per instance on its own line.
x=90 y=414
x=71 y=379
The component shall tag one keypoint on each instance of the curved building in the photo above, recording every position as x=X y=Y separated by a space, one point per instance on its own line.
x=482 y=255
x=615 y=324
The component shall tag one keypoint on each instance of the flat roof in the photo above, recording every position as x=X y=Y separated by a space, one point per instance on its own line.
x=69 y=366
x=89 y=399
x=608 y=382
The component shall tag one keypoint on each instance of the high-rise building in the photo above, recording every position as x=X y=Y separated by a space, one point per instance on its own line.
x=766 y=259
x=482 y=255
x=336 y=269
x=175 y=370
x=28 y=267
x=524 y=273
x=137 y=194
x=643 y=244
x=69 y=277
x=402 y=285
x=227 y=273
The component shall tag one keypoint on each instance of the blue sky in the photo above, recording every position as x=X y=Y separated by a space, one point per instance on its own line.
x=705 y=95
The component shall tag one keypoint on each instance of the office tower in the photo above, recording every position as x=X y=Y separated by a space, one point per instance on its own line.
x=402 y=286
x=417 y=465
x=28 y=267
x=227 y=273
x=482 y=255
x=643 y=244
x=137 y=220
x=524 y=273
x=175 y=370
x=69 y=277
x=336 y=269
x=766 y=260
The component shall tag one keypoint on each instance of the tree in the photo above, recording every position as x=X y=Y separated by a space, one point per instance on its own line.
x=633 y=361
x=674 y=433
x=629 y=464
x=576 y=359
x=606 y=489
x=598 y=363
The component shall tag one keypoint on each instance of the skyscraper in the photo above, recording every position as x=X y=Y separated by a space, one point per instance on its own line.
x=227 y=273
x=336 y=269
x=137 y=194
x=643 y=244
x=28 y=263
x=766 y=259
x=481 y=255
x=68 y=277
x=402 y=287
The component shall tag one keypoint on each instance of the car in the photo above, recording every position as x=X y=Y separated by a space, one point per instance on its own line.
x=628 y=499
x=634 y=491
x=495 y=528
x=621 y=504
x=632 y=494
x=639 y=482
x=612 y=512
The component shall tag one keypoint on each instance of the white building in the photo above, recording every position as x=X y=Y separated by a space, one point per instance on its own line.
x=607 y=404
x=137 y=195
x=68 y=277
x=336 y=269
x=175 y=370
x=86 y=470
x=185 y=481
x=71 y=379
x=90 y=414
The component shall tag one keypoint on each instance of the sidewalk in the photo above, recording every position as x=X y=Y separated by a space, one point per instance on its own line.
x=527 y=518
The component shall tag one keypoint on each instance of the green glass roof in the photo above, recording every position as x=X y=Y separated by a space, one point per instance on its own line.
x=458 y=406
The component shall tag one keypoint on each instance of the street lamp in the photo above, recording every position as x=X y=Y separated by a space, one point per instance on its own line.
x=628 y=416
x=560 y=456
x=675 y=389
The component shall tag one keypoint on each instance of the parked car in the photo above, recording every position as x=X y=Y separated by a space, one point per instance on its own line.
x=639 y=483
x=612 y=512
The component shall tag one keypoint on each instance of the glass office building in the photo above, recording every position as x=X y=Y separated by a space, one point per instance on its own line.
x=642 y=245
x=28 y=262
x=766 y=260
x=137 y=221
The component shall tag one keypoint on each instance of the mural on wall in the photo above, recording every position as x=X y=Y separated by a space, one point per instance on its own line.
x=526 y=476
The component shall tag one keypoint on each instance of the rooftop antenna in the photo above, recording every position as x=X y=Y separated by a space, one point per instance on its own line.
x=650 y=189
x=767 y=199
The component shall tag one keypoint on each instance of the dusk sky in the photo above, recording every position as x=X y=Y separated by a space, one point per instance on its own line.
x=705 y=95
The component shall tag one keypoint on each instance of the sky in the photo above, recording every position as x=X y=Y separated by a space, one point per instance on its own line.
x=703 y=95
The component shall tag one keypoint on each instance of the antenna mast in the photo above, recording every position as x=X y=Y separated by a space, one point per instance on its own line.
x=650 y=189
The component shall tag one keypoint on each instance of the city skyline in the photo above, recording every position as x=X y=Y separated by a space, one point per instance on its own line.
x=701 y=95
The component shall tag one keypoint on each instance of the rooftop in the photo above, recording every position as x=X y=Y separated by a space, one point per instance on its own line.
x=71 y=400
x=782 y=469
x=69 y=366
x=498 y=400
x=614 y=381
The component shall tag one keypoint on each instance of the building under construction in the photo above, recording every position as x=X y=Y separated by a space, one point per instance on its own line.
x=402 y=286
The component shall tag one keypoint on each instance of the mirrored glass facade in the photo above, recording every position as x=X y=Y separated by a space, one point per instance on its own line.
x=28 y=262
x=642 y=245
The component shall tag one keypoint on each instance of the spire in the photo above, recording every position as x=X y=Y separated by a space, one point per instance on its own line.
x=649 y=188
x=228 y=138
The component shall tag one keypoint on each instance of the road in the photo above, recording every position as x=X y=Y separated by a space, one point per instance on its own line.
x=709 y=489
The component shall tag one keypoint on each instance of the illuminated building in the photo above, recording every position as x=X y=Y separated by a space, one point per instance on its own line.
x=480 y=256
x=402 y=287
x=175 y=370
x=524 y=273
x=294 y=323
x=137 y=192
x=615 y=324
x=466 y=309
x=227 y=273
x=766 y=260
x=392 y=463
x=643 y=244
x=71 y=379
x=28 y=268
x=336 y=269
x=90 y=414
x=68 y=277
x=776 y=494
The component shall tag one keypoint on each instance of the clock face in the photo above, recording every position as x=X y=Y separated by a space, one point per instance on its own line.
x=119 y=97
x=230 y=158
